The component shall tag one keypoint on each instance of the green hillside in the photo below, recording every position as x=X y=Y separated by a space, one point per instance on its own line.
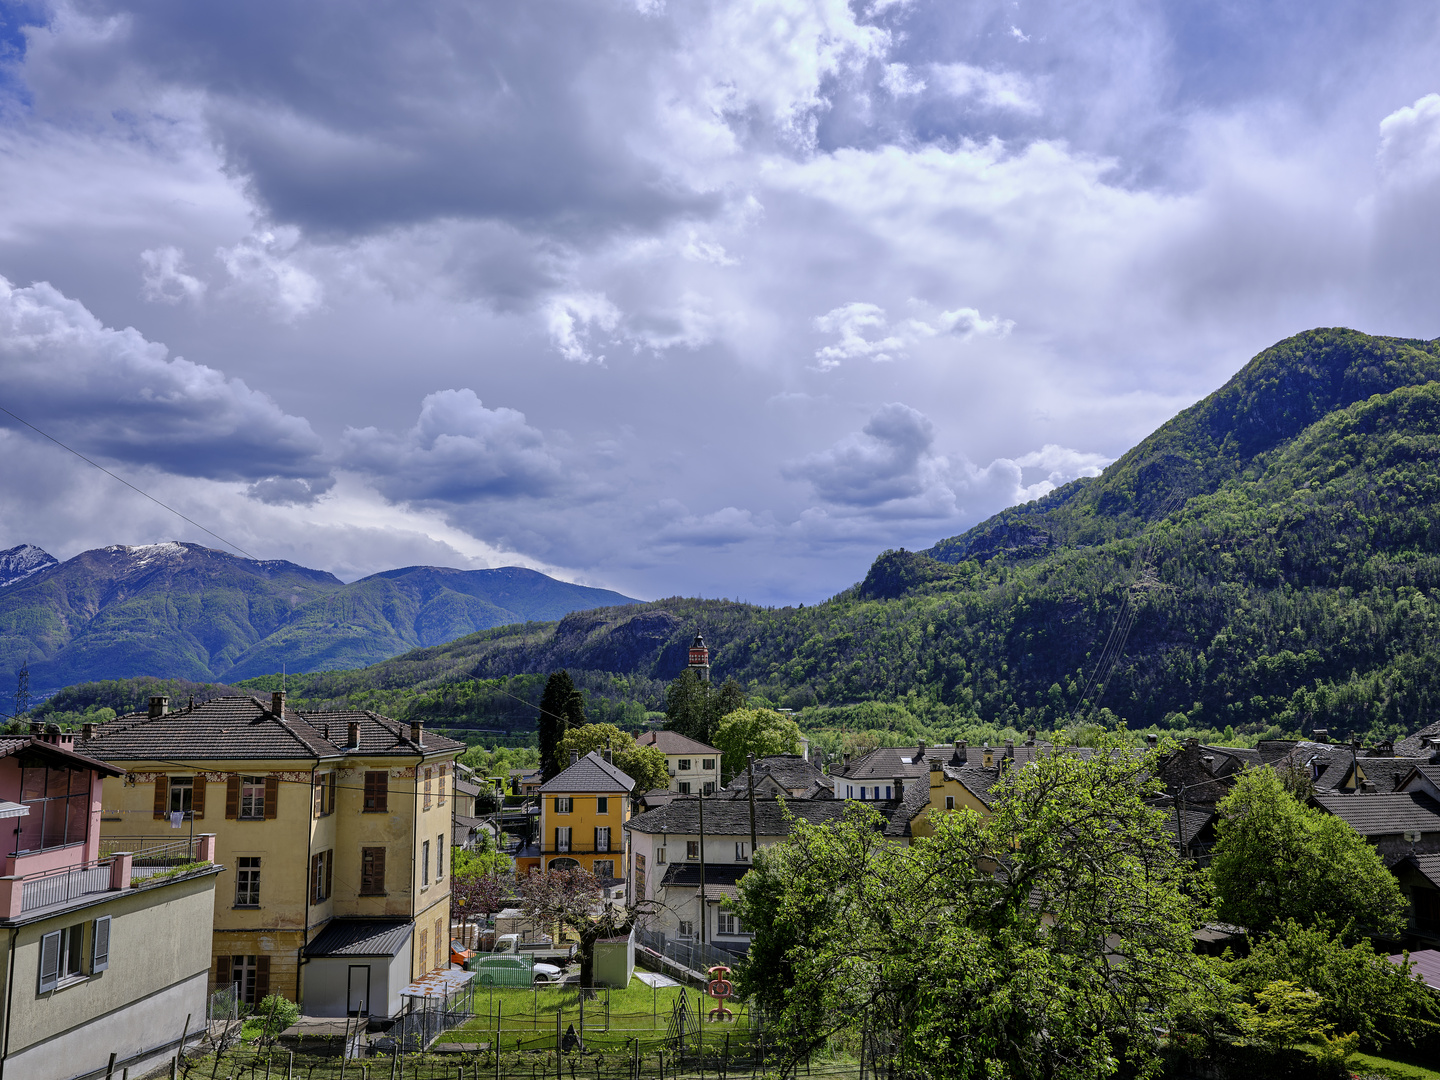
x=182 y=611
x=1278 y=543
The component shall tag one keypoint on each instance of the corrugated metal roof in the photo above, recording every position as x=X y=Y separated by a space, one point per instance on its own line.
x=361 y=937
x=1427 y=965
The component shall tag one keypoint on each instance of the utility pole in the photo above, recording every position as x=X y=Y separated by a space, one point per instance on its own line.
x=704 y=914
x=750 y=769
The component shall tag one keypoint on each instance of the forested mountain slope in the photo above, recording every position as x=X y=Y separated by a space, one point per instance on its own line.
x=1279 y=543
x=184 y=611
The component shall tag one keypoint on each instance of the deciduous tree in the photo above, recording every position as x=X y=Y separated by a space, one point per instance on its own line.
x=761 y=732
x=1276 y=859
x=646 y=765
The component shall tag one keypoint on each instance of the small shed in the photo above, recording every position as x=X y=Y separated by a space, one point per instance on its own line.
x=615 y=961
x=357 y=966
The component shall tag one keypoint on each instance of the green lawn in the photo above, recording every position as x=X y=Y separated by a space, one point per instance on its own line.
x=1400 y=1070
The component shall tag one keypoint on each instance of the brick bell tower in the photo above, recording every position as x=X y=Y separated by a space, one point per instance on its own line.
x=700 y=658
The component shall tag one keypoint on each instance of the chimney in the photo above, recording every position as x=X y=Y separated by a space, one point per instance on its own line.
x=1030 y=736
x=159 y=706
x=920 y=753
x=1322 y=735
x=607 y=752
x=574 y=757
x=87 y=731
x=1367 y=787
x=1009 y=748
x=37 y=727
x=1152 y=741
x=417 y=732
x=900 y=787
x=353 y=739
x=277 y=702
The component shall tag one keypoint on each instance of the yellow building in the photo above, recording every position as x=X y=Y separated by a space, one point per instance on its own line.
x=325 y=822
x=583 y=810
x=966 y=787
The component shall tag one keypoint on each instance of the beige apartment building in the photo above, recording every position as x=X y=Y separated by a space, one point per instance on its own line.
x=333 y=829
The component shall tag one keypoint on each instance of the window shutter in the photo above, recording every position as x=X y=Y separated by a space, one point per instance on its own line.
x=330 y=799
x=49 y=961
x=232 y=798
x=197 y=800
x=382 y=792
x=100 y=945
x=329 y=870
x=317 y=797
x=377 y=871
x=162 y=796
x=224 y=974
x=272 y=797
x=262 y=978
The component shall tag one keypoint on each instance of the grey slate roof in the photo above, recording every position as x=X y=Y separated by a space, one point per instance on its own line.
x=1382 y=815
x=591 y=773
x=1429 y=867
x=672 y=742
x=731 y=817
x=791 y=771
x=908 y=762
x=1416 y=744
x=244 y=728
x=1387 y=772
x=977 y=780
x=361 y=937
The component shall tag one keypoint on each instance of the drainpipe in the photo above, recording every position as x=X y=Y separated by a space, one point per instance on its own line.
x=750 y=766
x=703 y=912
x=309 y=842
x=9 y=1000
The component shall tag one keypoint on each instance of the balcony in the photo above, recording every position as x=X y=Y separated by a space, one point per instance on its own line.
x=124 y=861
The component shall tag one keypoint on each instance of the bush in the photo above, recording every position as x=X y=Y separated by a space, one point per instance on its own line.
x=275 y=1014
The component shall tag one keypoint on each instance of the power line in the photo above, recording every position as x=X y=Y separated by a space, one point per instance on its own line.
x=127 y=483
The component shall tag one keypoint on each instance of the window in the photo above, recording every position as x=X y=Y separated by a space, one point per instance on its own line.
x=440 y=943
x=100 y=944
x=602 y=805
x=562 y=838
x=659 y=856
x=372 y=871
x=322 y=872
x=708 y=763
x=427 y=787
x=684 y=787
x=439 y=858
x=684 y=764
x=709 y=787
x=425 y=865
x=687 y=928
x=604 y=868
x=742 y=851
x=59 y=802
x=247 y=881
x=61 y=952
x=602 y=839
x=949 y=802
x=325 y=794
x=377 y=790
x=249 y=974
x=730 y=923
x=564 y=804
x=887 y=791
x=692 y=849
x=182 y=794
x=252 y=798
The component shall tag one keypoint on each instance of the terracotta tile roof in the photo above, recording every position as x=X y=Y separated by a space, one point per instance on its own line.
x=244 y=728
x=672 y=742
x=591 y=773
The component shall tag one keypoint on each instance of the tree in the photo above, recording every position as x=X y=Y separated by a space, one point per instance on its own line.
x=1358 y=989
x=646 y=765
x=561 y=707
x=477 y=894
x=1276 y=859
x=694 y=707
x=1052 y=939
x=761 y=732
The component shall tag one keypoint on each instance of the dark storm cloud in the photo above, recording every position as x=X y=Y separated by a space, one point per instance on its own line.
x=113 y=393
x=889 y=459
x=347 y=121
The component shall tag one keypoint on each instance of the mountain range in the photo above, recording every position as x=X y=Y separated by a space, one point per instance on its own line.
x=1268 y=558
x=184 y=611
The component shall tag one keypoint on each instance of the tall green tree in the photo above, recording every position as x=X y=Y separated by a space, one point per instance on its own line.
x=561 y=708
x=646 y=765
x=695 y=707
x=761 y=732
x=1277 y=859
x=1051 y=939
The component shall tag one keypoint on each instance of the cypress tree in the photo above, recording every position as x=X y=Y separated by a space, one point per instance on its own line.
x=561 y=708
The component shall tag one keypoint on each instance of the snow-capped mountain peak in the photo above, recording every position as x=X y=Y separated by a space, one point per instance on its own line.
x=18 y=563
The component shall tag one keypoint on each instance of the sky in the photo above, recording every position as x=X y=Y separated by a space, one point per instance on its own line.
x=706 y=298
